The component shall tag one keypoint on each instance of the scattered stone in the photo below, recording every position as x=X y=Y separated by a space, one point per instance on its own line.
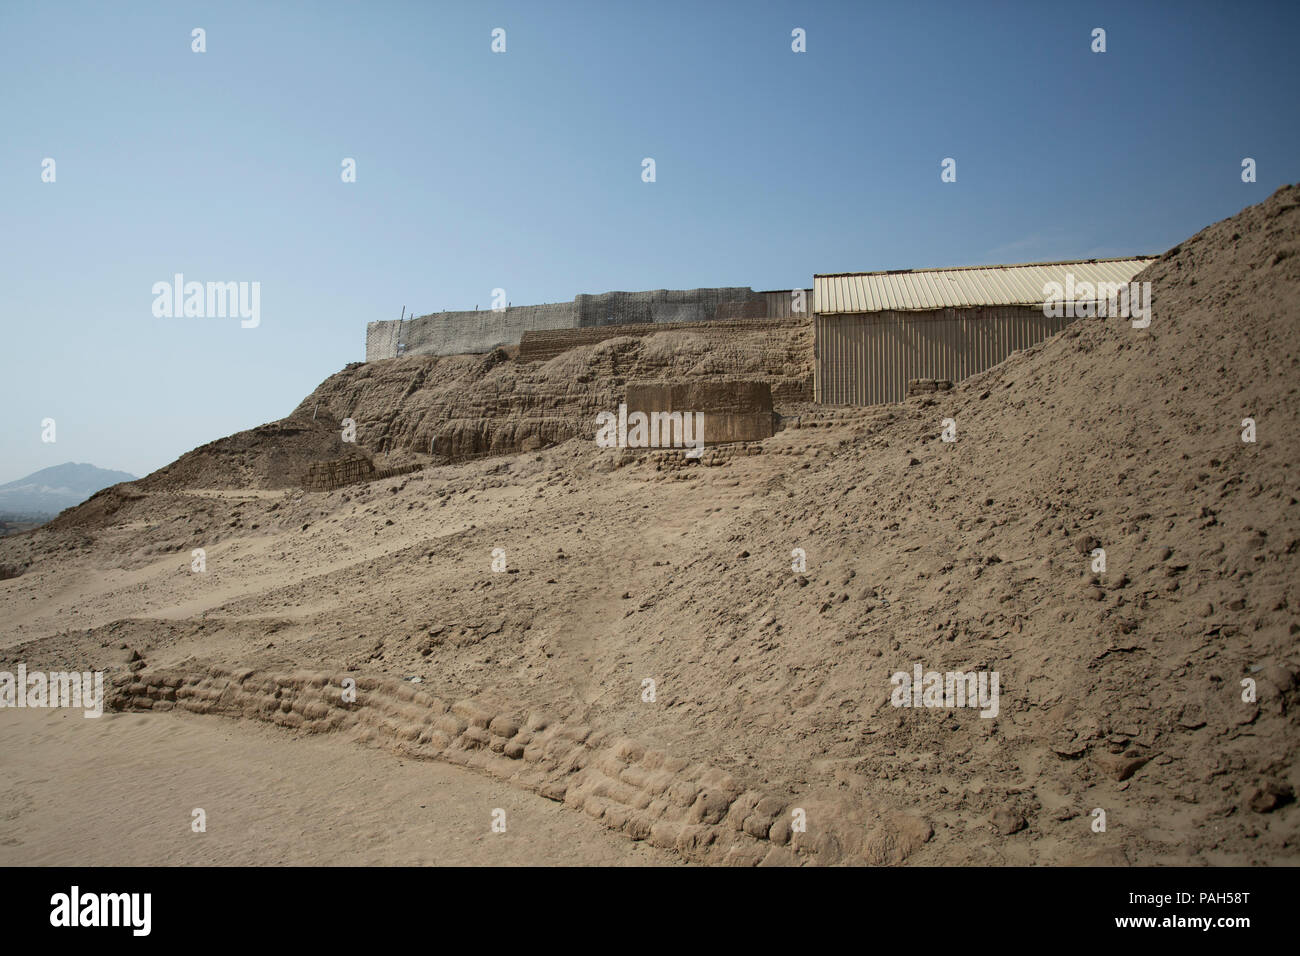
x=1070 y=749
x=1006 y=822
x=1268 y=796
x=1192 y=716
x=1120 y=767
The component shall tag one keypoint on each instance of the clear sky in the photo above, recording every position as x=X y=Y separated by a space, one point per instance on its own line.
x=522 y=170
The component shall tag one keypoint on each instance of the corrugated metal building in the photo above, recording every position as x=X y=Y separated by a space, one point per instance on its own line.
x=876 y=331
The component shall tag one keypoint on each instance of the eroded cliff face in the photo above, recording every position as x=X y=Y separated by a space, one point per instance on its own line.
x=467 y=406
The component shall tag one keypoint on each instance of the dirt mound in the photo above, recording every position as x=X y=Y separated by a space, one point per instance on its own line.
x=99 y=508
x=979 y=554
x=278 y=455
x=466 y=406
x=275 y=455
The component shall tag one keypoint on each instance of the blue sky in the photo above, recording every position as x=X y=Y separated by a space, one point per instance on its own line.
x=522 y=170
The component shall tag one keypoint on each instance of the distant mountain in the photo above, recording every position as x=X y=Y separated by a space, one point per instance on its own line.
x=50 y=490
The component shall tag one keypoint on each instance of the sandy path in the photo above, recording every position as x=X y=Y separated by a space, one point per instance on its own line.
x=120 y=790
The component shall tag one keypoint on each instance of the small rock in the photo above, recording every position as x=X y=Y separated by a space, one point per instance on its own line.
x=1192 y=716
x=1268 y=796
x=1120 y=767
x=1006 y=822
x=1071 y=749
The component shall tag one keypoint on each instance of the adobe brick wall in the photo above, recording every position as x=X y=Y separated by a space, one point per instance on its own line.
x=926 y=386
x=469 y=406
x=542 y=346
x=328 y=475
x=732 y=411
x=782 y=347
x=700 y=811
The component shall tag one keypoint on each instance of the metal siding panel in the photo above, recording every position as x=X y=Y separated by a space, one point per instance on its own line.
x=868 y=358
x=818 y=344
x=932 y=289
x=873 y=358
x=864 y=332
x=835 y=372
x=891 y=331
x=858 y=374
x=827 y=351
x=828 y=360
x=867 y=300
x=843 y=373
x=857 y=393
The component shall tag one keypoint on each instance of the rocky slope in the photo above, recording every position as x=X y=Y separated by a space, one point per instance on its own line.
x=467 y=406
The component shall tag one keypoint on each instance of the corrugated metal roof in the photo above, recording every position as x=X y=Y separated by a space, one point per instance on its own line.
x=911 y=290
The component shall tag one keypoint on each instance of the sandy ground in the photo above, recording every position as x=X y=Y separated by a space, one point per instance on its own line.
x=121 y=790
